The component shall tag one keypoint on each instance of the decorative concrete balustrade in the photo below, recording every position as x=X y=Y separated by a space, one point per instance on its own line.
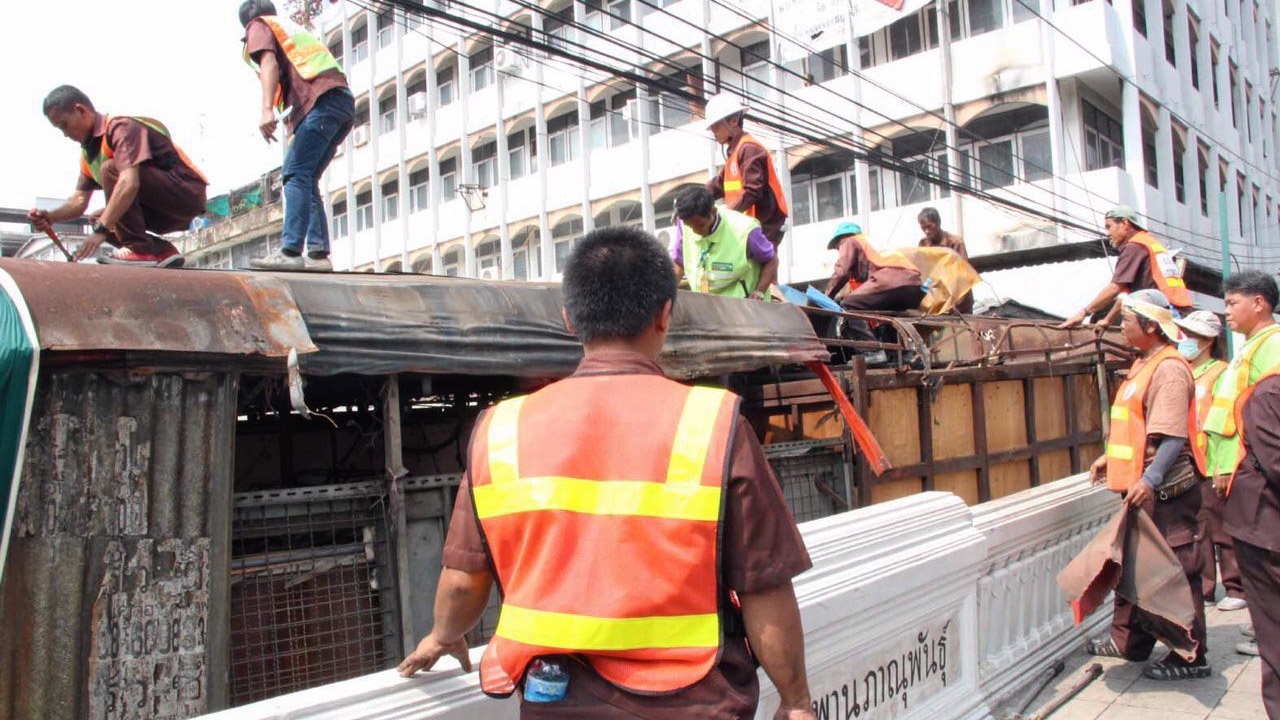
x=917 y=608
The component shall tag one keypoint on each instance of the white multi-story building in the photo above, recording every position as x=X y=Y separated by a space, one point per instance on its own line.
x=471 y=159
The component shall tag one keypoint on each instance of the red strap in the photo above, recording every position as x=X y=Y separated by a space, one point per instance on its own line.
x=861 y=433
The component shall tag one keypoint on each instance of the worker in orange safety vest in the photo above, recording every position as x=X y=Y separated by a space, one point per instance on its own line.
x=748 y=181
x=637 y=544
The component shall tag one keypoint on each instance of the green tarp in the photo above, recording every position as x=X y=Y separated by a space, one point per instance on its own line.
x=19 y=362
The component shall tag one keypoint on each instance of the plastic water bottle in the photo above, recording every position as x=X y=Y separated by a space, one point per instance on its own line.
x=546 y=682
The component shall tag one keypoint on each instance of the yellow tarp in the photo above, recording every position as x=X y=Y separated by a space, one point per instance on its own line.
x=952 y=276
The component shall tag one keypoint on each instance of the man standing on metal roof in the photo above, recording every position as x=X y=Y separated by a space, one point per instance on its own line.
x=302 y=83
x=721 y=251
x=636 y=531
x=1149 y=464
x=150 y=184
x=1144 y=264
x=748 y=181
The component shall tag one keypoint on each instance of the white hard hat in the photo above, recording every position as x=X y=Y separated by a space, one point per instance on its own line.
x=721 y=106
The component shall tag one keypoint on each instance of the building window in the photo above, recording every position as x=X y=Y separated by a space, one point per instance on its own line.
x=453 y=263
x=484 y=160
x=1213 y=80
x=756 y=70
x=564 y=236
x=446 y=79
x=1150 y=170
x=364 y=210
x=562 y=138
x=335 y=49
x=416 y=99
x=360 y=44
x=524 y=254
x=481 y=63
x=1170 y=48
x=912 y=34
x=520 y=161
x=1204 y=180
x=448 y=179
x=387 y=114
x=340 y=219
x=1140 y=17
x=1103 y=140
x=822 y=188
x=386 y=29
x=986 y=15
x=390 y=200
x=828 y=64
x=419 y=191
x=1179 y=172
x=619 y=12
x=1233 y=75
x=1248 y=109
x=1193 y=37
x=672 y=107
x=489 y=260
x=1037 y=156
x=610 y=125
x=559 y=28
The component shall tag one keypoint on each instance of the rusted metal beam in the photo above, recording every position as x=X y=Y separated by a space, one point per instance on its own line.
x=924 y=420
x=862 y=403
x=982 y=462
x=1029 y=413
x=396 y=473
x=980 y=443
x=1073 y=426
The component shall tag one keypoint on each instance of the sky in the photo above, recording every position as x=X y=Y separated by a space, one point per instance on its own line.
x=176 y=61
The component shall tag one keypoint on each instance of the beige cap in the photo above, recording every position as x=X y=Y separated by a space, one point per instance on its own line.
x=1201 y=323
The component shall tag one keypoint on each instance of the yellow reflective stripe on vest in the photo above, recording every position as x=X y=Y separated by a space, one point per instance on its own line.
x=732 y=186
x=584 y=633
x=504 y=451
x=679 y=501
x=1119 y=412
x=693 y=435
x=1120 y=452
x=1175 y=282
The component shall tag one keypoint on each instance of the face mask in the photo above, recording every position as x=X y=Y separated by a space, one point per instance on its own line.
x=1189 y=347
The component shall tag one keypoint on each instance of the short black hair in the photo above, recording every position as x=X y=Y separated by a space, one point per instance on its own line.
x=615 y=283
x=930 y=214
x=64 y=98
x=251 y=9
x=1253 y=282
x=694 y=201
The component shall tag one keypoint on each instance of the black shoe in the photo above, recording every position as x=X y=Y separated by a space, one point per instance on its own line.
x=1104 y=647
x=1173 y=667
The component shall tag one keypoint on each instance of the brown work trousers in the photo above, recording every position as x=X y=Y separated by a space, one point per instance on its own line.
x=1217 y=549
x=1176 y=519
x=167 y=201
x=1260 y=569
x=891 y=300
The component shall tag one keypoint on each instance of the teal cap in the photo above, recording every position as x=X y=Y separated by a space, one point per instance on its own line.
x=844 y=230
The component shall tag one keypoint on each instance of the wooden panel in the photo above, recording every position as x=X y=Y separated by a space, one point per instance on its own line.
x=894 y=490
x=1009 y=478
x=1055 y=466
x=963 y=484
x=821 y=422
x=894 y=419
x=1088 y=416
x=1051 y=418
x=953 y=423
x=1006 y=417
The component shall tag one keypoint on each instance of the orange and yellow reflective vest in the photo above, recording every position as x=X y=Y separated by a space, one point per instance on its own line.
x=1127 y=442
x=1238 y=413
x=1204 y=400
x=733 y=189
x=600 y=502
x=309 y=56
x=1221 y=416
x=92 y=167
x=1166 y=274
x=877 y=259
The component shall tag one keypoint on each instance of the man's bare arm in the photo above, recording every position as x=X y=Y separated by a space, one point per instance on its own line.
x=461 y=599
x=773 y=625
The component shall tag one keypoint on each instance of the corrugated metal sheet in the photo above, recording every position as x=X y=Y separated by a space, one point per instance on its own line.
x=118 y=565
x=379 y=325
x=100 y=307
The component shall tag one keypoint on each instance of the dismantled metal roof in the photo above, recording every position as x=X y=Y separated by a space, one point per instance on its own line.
x=377 y=324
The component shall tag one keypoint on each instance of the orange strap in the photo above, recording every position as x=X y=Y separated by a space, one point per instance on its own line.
x=861 y=433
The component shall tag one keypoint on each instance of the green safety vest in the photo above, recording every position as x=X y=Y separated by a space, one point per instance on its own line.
x=1240 y=374
x=309 y=56
x=718 y=263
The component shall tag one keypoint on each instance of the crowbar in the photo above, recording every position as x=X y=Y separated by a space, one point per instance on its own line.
x=54 y=237
x=861 y=433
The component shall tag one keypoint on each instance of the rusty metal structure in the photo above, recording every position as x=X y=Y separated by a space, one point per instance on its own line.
x=188 y=541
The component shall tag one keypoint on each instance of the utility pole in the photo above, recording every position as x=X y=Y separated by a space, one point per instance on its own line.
x=1226 y=253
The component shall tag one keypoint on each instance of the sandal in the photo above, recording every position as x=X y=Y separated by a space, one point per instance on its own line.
x=1173 y=667
x=1104 y=647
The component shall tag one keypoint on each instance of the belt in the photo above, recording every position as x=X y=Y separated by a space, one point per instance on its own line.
x=1176 y=488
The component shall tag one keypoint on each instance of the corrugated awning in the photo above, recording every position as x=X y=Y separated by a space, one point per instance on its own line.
x=377 y=324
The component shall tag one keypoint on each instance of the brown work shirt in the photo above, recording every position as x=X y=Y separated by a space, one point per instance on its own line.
x=300 y=93
x=756 y=191
x=1133 y=269
x=135 y=144
x=949 y=240
x=761 y=549
x=853 y=264
x=1252 y=512
x=1165 y=407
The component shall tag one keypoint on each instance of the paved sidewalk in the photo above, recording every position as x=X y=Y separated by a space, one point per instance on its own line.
x=1234 y=692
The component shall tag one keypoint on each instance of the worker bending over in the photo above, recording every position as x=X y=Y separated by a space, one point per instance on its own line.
x=722 y=252
x=934 y=236
x=150 y=184
x=866 y=280
x=748 y=181
x=1148 y=462
x=303 y=84
x=682 y=513
x=1144 y=264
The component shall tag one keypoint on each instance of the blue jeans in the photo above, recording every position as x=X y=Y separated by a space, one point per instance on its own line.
x=315 y=140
